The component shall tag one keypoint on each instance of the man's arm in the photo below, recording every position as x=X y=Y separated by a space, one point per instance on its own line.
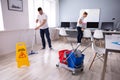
x=44 y=21
x=80 y=21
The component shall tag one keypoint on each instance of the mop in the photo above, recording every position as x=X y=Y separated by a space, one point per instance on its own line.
x=34 y=39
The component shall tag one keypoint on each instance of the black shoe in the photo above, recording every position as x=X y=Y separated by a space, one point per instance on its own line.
x=42 y=48
x=51 y=48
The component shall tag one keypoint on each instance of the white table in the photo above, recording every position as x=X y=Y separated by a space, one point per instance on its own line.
x=105 y=32
x=110 y=47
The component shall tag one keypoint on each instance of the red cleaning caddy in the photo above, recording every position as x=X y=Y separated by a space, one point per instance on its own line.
x=62 y=55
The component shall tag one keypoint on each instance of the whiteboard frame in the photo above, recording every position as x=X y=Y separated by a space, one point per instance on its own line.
x=88 y=13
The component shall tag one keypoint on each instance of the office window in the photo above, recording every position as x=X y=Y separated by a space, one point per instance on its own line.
x=49 y=7
x=1 y=19
x=32 y=6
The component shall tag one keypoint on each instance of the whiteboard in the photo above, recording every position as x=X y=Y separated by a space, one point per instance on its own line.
x=93 y=15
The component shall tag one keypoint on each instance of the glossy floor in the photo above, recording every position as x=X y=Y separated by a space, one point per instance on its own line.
x=43 y=66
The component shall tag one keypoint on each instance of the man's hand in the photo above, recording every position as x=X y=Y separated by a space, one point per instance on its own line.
x=37 y=20
x=82 y=29
x=44 y=21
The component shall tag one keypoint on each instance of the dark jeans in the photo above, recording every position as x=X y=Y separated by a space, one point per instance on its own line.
x=80 y=34
x=44 y=32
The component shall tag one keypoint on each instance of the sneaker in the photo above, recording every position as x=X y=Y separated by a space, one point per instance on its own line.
x=78 y=44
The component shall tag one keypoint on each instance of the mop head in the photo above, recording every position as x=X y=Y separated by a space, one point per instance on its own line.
x=33 y=52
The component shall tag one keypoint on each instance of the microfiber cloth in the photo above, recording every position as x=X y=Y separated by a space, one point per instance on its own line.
x=118 y=43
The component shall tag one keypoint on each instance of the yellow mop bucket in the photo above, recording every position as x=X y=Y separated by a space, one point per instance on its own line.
x=21 y=55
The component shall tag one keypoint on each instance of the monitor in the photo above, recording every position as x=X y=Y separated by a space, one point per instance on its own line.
x=92 y=24
x=65 y=24
x=107 y=26
x=73 y=25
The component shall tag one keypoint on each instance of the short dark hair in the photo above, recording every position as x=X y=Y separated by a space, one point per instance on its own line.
x=39 y=9
x=85 y=13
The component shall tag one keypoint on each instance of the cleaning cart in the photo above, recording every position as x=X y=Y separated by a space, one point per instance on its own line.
x=72 y=60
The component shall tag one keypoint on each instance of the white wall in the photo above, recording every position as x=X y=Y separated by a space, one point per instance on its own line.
x=17 y=29
x=1 y=18
x=14 y=20
x=8 y=39
x=69 y=9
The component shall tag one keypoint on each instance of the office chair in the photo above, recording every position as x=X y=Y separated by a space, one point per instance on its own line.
x=98 y=53
x=63 y=34
x=87 y=34
x=98 y=35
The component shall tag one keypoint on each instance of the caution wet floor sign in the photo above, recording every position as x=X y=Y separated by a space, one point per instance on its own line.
x=21 y=55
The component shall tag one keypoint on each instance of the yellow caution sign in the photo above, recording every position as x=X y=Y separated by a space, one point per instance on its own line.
x=21 y=55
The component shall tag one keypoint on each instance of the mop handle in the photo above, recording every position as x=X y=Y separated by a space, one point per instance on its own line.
x=34 y=38
x=86 y=47
x=76 y=48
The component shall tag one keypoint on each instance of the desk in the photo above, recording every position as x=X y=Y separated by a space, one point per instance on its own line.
x=67 y=29
x=110 y=47
x=105 y=32
x=111 y=32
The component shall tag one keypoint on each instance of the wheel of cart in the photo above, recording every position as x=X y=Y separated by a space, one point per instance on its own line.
x=80 y=69
x=57 y=65
x=73 y=73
